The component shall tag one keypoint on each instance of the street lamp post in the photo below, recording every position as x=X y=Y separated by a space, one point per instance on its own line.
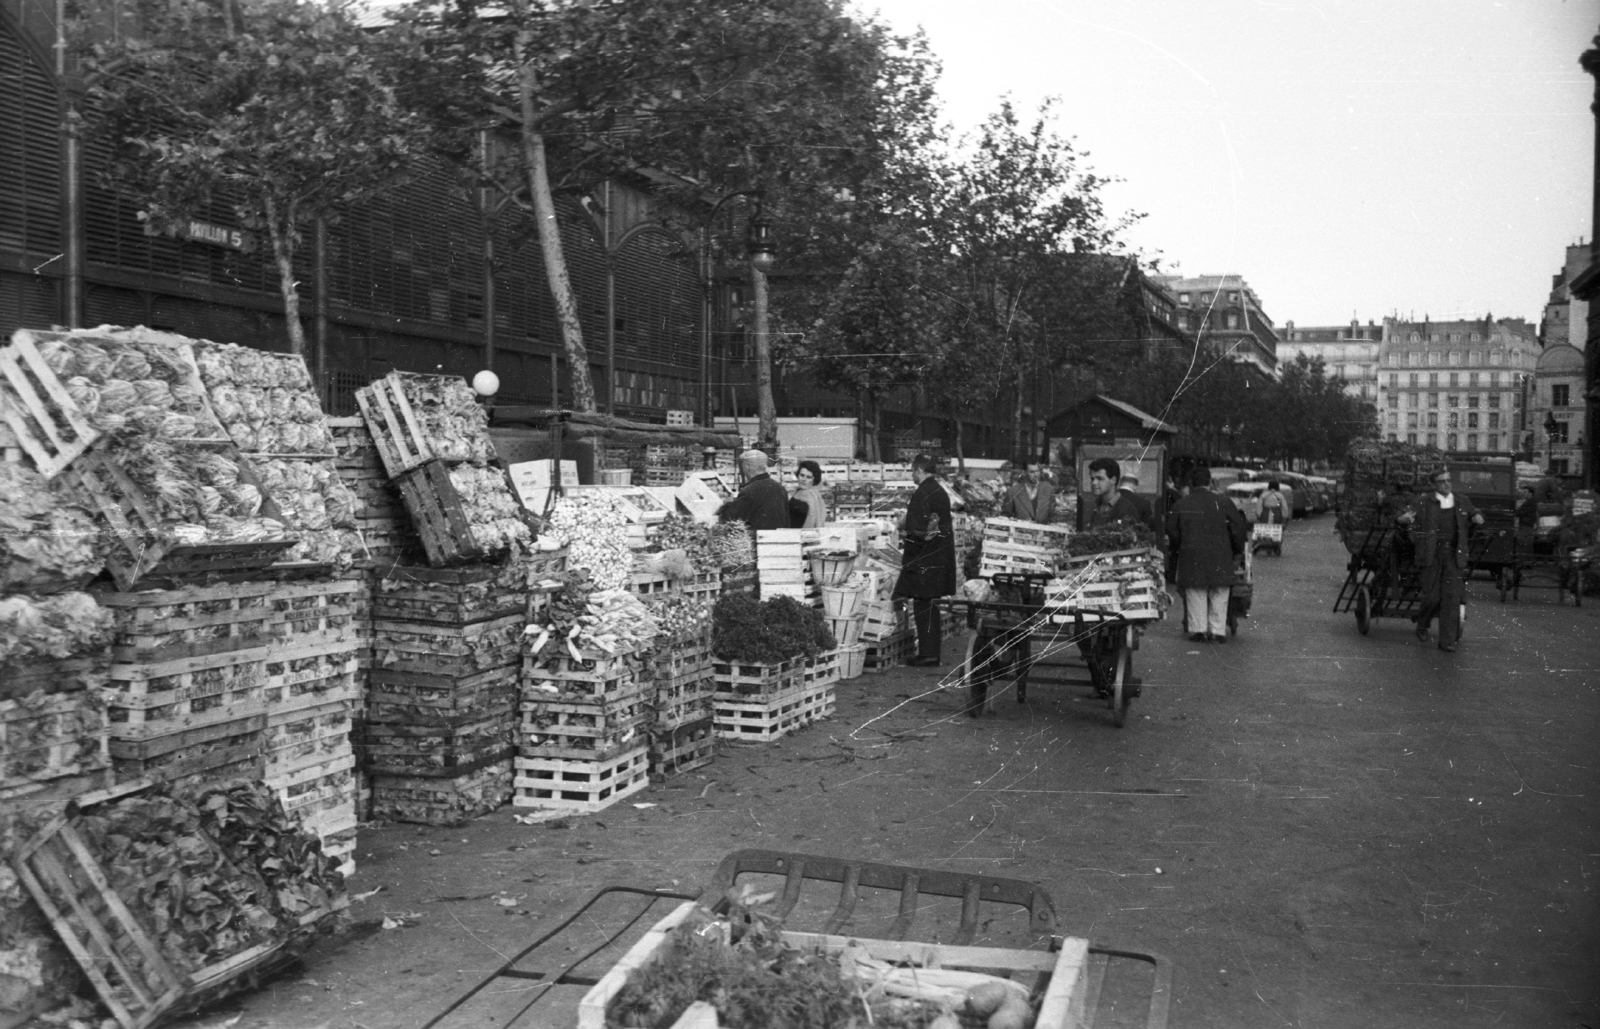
x=758 y=245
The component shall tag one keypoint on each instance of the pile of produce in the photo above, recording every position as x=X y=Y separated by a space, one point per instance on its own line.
x=767 y=632
x=200 y=495
x=316 y=506
x=680 y=615
x=1109 y=537
x=982 y=498
x=594 y=529
x=695 y=540
x=248 y=822
x=264 y=400
x=733 y=544
x=44 y=536
x=610 y=621
x=453 y=422
x=1375 y=471
x=494 y=514
x=54 y=627
x=130 y=383
x=199 y=907
x=742 y=966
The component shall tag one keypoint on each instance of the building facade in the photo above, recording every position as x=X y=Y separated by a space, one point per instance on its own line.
x=1225 y=313
x=1566 y=316
x=1461 y=386
x=1349 y=353
x=1557 y=409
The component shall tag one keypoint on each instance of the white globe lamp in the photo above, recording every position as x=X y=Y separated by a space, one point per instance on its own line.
x=486 y=383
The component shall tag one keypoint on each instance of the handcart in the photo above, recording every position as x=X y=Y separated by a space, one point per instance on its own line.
x=1544 y=562
x=1267 y=536
x=876 y=905
x=1087 y=632
x=1242 y=592
x=1383 y=581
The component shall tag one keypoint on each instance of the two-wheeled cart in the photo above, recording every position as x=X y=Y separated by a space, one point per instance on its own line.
x=1383 y=581
x=561 y=979
x=1267 y=537
x=1085 y=634
x=1544 y=562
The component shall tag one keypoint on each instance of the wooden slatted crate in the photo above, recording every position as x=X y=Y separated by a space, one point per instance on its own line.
x=223 y=750
x=750 y=678
x=294 y=739
x=45 y=422
x=682 y=748
x=886 y=653
x=579 y=786
x=437 y=514
x=450 y=596
x=141 y=549
x=396 y=431
x=441 y=801
x=50 y=736
x=759 y=719
x=582 y=731
x=452 y=650
x=153 y=625
x=26 y=676
x=419 y=698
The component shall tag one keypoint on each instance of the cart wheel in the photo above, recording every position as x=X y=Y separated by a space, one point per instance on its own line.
x=1121 y=678
x=1363 y=611
x=975 y=675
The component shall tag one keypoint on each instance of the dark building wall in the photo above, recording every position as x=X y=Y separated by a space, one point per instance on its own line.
x=409 y=284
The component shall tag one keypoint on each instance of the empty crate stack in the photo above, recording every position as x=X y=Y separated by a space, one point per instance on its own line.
x=780 y=564
x=681 y=736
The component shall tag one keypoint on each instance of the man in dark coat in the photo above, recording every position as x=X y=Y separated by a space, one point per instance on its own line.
x=1032 y=499
x=1440 y=525
x=1207 y=532
x=762 y=502
x=927 y=557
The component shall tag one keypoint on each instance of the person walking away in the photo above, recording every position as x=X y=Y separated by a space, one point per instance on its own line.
x=807 y=507
x=1128 y=485
x=1207 y=532
x=1274 y=506
x=1031 y=499
x=927 y=558
x=761 y=503
x=1440 y=524
x=1111 y=506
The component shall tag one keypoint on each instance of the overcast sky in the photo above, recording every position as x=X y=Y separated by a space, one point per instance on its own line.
x=1348 y=157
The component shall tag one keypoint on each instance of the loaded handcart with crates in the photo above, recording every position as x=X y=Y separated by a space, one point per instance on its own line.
x=1070 y=604
x=1553 y=553
x=1381 y=480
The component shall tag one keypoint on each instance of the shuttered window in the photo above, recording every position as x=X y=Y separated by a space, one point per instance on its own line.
x=30 y=152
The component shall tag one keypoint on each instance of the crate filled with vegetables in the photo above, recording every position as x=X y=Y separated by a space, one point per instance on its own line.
x=255 y=893
x=264 y=400
x=432 y=800
x=698 y=968
x=1115 y=569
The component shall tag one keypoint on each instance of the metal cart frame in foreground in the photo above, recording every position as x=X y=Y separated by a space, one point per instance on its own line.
x=1383 y=580
x=1561 y=568
x=1010 y=636
x=978 y=894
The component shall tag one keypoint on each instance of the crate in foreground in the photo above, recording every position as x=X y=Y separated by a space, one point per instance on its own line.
x=1057 y=982
x=580 y=787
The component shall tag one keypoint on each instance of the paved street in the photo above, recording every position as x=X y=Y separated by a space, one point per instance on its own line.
x=1319 y=829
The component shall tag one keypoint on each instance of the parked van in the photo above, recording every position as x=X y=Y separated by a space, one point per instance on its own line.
x=1246 y=496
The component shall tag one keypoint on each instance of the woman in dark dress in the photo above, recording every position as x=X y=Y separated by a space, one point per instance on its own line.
x=927 y=557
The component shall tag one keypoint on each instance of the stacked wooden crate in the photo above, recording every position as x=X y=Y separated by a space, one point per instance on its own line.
x=384 y=526
x=250 y=680
x=53 y=728
x=583 y=738
x=760 y=702
x=1012 y=546
x=781 y=565
x=441 y=695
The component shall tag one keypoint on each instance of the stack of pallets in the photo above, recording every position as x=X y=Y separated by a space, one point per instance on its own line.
x=252 y=680
x=53 y=729
x=442 y=693
x=583 y=737
x=380 y=517
x=1011 y=546
x=681 y=736
x=759 y=702
x=781 y=568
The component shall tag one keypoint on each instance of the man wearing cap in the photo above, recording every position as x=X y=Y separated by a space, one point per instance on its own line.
x=762 y=502
x=1440 y=523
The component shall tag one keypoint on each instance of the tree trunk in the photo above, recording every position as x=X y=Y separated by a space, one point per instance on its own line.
x=766 y=410
x=280 y=231
x=871 y=434
x=961 y=452
x=1016 y=415
x=544 y=206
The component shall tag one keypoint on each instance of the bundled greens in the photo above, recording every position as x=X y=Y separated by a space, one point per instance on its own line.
x=1109 y=537
x=132 y=381
x=265 y=400
x=56 y=627
x=45 y=537
x=769 y=632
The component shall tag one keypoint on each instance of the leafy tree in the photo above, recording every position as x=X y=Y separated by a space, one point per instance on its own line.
x=703 y=97
x=274 y=107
